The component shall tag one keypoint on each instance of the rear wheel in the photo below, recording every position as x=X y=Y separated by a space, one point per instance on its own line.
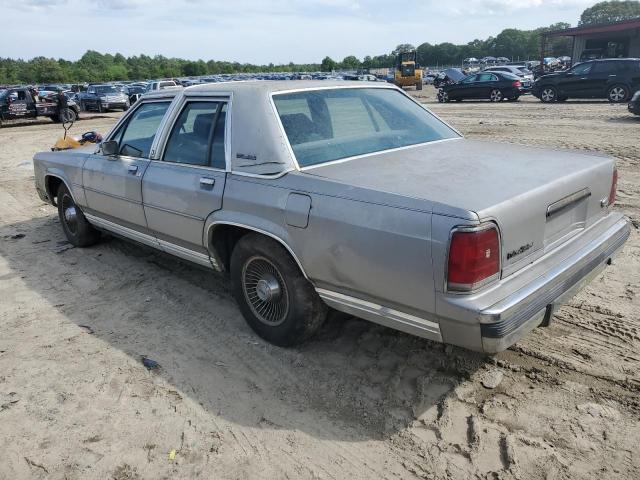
x=77 y=229
x=275 y=298
x=495 y=95
x=548 y=95
x=618 y=93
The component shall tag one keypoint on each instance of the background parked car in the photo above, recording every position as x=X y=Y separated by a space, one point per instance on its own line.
x=494 y=86
x=634 y=104
x=614 y=79
x=526 y=76
x=103 y=97
x=161 y=85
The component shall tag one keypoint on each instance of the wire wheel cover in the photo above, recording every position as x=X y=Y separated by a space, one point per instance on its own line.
x=265 y=291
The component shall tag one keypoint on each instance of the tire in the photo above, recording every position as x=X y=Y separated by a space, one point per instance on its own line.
x=75 y=226
x=68 y=115
x=495 y=95
x=618 y=94
x=443 y=97
x=548 y=94
x=275 y=298
x=513 y=99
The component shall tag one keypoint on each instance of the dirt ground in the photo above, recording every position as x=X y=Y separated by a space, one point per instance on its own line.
x=359 y=401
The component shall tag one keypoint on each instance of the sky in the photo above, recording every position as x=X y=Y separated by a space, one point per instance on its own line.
x=261 y=31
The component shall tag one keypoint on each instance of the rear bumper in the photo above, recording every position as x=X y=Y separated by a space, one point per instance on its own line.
x=528 y=298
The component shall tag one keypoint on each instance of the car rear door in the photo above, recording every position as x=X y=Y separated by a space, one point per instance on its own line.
x=185 y=185
x=113 y=184
x=600 y=78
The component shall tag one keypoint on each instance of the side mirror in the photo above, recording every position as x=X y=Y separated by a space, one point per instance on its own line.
x=110 y=148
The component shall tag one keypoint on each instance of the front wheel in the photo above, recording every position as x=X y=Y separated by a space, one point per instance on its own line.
x=275 y=298
x=618 y=94
x=77 y=229
x=495 y=95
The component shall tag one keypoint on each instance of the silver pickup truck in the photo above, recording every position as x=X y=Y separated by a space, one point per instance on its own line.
x=350 y=196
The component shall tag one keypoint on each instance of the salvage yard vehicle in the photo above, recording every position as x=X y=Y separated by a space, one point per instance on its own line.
x=18 y=103
x=352 y=196
x=487 y=85
x=614 y=79
x=102 y=98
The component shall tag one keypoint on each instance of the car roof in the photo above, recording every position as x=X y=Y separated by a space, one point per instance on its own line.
x=274 y=86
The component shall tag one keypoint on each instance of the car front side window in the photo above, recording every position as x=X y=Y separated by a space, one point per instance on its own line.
x=135 y=137
x=197 y=137
x=582 y=69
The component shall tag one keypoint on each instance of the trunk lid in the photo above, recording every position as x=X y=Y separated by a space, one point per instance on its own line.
x=539 y=198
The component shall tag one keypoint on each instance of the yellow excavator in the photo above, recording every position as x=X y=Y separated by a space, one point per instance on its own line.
x=407 y=72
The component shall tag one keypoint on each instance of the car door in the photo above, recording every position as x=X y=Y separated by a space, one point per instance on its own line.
x=574 y=83
x=601 y=76
x=183 y=187
x=113 y=184
x=483 y=85
x=464 y=89
x=18 y=105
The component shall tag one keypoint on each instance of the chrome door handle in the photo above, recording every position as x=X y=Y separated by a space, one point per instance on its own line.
x=207 y=181
x=133 y=169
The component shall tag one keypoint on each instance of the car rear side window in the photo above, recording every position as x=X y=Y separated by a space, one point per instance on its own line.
x=606 y=67
x=331 y=124
x=136 y=136
x=197 y=137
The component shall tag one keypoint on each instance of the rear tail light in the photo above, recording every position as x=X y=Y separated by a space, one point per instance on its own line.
x=516 y=83
x=474 y=259
x=614 y=187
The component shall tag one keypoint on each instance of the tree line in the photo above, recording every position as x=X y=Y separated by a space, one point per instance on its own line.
x=511 y=42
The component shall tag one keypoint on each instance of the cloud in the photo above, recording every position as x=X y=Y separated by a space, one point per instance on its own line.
x=262 y=31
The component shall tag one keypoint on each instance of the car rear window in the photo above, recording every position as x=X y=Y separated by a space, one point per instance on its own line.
x=332 y=124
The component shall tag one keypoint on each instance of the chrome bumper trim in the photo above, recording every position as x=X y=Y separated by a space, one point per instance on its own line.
x=382 y=315
x=525 y=306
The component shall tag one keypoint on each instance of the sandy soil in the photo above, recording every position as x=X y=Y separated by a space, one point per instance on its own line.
x=360 y=401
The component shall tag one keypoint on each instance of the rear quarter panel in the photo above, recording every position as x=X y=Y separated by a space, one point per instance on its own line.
x=358 y=242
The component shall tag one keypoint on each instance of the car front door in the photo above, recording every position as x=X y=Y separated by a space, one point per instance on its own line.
x=18 y=105
x=183 y=187
x=464 y=89
x=574 y=83
x=113 y=184
x=483 y=85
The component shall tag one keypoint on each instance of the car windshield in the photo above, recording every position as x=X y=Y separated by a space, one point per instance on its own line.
x=331 y=124
x=106 y=89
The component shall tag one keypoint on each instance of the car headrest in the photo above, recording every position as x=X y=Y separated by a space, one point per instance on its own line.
x=298 y=126
x=202 y=124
